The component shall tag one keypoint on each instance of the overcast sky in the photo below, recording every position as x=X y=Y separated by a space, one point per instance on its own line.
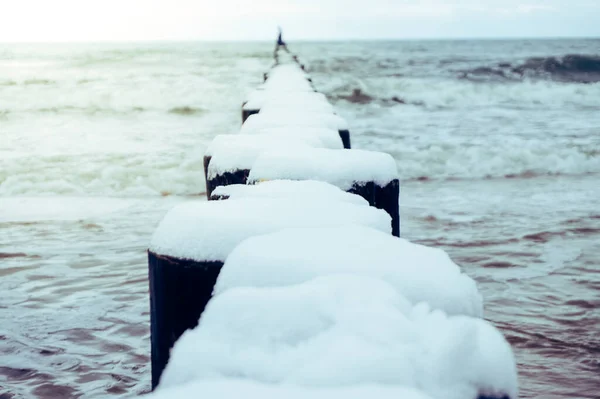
x=110 y=20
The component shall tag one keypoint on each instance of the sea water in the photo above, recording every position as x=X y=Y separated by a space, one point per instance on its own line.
x=497 y=144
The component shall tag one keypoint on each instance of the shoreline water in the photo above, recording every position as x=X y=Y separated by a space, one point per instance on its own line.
x=81 y=193
x=101 y=283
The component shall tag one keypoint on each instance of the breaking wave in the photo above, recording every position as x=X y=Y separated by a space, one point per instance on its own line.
x=572 y=68
x=28 y=82
x=526 y=159
x=186 y=111
x=92 y=110
x=406 y=103
x=127 y=175
x=465 y=94
x=139 y=174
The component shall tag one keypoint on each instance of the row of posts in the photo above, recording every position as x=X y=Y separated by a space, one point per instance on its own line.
x=289 y=132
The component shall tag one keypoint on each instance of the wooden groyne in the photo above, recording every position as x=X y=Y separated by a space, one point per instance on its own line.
x=286 y=192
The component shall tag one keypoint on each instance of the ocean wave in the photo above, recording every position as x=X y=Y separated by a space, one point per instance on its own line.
x=128 y=175
x=152 y=174
x=90 y=111
x=73 y=109
x=186 y=110
x=86 y=81
x=359 y=97
x=504 y=157
x=117 y=56
x=28 y=82
x=464 y=94
x=572 y=68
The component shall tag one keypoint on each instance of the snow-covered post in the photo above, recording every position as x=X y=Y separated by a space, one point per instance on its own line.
x=297 y=190
x=179 y=292
x=194 y=239
x=370 y=174
x=419 y=273
x=345 y=137
x=247 y=111
x=228 y=158
x=288 y=90
x=272 y=117
x=207 y=158
x=387 y=197
x=286 y=309
x=329 y=138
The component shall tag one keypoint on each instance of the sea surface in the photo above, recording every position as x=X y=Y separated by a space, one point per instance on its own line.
x=497 y=144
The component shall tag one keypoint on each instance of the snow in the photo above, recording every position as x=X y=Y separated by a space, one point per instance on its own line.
x=316 y=299
x=342 y=331
x=223 y=142
x=209 y=231
x=304 y=99
x=238 y=388
x=303 y=109
x=299 y=190
x=285 y=75
x=290 y=118
x=341 y=168
x=329 y=138
x=235 y=152
x=287 y=83
x=286 y=68
x=294 y=256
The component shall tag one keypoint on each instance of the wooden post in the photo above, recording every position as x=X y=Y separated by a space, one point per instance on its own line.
x=179 y=292
x=388 y=199
x=240 y=176
x=345 y=136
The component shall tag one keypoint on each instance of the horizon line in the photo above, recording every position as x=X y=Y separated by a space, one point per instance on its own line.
x=322 y=40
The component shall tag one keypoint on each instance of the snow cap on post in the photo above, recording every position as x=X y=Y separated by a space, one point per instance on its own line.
x=286 y=119
x=342 y=168
x=328 y=137
x=209 y=231
x=299 y=190
x=303 y=335
x=233 y=152
x=294 y=256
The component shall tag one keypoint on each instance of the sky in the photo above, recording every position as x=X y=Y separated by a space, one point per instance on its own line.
x=132 y=20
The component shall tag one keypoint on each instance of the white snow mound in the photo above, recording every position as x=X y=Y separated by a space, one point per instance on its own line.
x=342 y=331
x=210 y=230
x=293 y=256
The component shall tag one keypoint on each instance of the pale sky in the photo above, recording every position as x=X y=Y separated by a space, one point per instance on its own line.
x=130 y=20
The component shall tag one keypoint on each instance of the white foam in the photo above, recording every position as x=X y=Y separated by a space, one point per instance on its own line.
x=91 y=131
x=341 y=168
x=293 y=256
x=29 y=209
x=208 y=231
x=342 y=331
x=299 y=190
x=464 y=95
x=492 y=156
